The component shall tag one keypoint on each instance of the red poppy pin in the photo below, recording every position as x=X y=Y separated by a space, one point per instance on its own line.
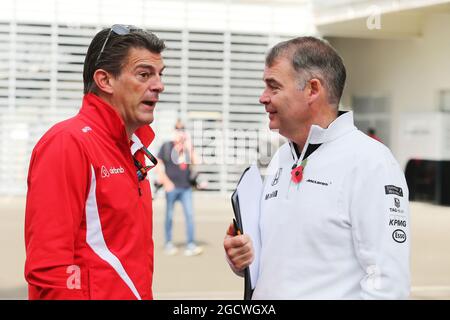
x=297 y=172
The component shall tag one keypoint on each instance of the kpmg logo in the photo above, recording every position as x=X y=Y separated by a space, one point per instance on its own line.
x=74 y=280
x=397 y=222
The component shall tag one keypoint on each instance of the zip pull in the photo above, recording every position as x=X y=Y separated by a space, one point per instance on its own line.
x=140 y=192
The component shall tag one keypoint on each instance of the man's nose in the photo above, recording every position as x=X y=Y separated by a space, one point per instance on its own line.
x=264 y=98
x=157 y=85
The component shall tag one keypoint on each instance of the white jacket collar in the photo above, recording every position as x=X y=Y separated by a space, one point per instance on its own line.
x=318 y=135
x=137 y=144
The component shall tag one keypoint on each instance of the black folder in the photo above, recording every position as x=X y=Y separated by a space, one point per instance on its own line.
x=248 y=292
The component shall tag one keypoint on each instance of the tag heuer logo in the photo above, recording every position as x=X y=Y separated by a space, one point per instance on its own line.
x=397 y=202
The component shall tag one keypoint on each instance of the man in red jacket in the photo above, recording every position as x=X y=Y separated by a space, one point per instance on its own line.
x=88 y=224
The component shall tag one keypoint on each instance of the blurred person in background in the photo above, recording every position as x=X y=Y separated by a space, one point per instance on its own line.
x=88 y=221
x=177 y=177
x=334 y=219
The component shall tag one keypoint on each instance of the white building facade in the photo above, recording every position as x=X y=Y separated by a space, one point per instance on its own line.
x=396 y=54
x=215 y=60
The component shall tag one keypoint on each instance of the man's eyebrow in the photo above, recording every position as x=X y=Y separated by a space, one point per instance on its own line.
x=271 y=81
x=148 y=66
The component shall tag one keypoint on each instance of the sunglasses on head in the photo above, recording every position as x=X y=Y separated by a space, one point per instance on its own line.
x=119 y=29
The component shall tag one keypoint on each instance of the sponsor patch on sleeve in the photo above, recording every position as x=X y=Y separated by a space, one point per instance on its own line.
x=391 y=189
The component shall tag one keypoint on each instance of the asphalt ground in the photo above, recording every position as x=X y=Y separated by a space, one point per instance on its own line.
x=208 y=276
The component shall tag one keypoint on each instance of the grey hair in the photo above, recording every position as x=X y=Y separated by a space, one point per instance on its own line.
x=313 y=58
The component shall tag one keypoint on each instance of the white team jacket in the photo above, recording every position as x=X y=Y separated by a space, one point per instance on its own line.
x=343 y=231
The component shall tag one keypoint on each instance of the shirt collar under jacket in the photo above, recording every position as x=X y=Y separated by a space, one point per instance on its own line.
x=106 y=117
x=318 y=135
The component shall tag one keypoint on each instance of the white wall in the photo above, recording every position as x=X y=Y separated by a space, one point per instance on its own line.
x=420 y=140
x=409 y=71
x=214 y=57
x=212 y=15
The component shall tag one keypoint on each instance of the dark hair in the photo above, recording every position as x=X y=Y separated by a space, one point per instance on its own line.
x=313 y=58
x=115 y=52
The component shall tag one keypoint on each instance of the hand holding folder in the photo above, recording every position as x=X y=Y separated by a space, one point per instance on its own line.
x=246 y=206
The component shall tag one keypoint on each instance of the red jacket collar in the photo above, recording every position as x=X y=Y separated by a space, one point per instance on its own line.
x=106 y=117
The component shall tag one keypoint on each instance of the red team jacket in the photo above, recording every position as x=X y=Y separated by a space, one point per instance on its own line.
x=88 y=224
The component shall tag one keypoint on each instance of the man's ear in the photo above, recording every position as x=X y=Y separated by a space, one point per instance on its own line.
x=315 y=89
x=103 y=81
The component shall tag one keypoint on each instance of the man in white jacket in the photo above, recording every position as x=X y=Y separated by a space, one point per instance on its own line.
x=334 y=207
